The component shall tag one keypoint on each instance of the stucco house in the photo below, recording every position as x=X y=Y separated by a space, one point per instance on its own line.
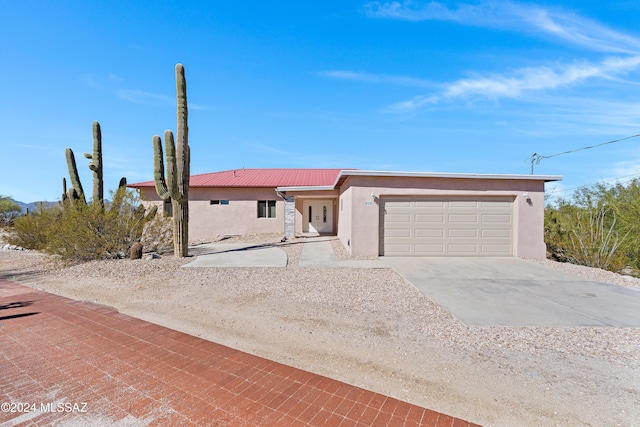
x=373 y=212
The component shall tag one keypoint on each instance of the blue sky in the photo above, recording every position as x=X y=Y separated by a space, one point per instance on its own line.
x=473 y=86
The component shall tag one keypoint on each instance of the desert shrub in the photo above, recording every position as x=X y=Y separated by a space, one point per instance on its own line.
x=9 y=210
x=597 y=228
x=557 y=230
x=595 y=241
x=81 y=232
x=32 y=231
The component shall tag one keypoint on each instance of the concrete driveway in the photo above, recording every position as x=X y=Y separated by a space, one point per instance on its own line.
x=515 y=292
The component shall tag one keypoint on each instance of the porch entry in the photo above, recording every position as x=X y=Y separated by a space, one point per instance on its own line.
x=318 y=216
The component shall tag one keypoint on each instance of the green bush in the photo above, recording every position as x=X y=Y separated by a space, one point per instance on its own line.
x=9 y=210
x=597 y=228
x=595 y=241
x=80 y=232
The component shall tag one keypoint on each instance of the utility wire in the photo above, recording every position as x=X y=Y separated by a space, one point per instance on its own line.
x=536 y=158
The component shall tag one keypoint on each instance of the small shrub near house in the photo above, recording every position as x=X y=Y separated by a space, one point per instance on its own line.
x=81 y=232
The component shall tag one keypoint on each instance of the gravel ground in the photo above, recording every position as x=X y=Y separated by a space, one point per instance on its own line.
x=373 y=329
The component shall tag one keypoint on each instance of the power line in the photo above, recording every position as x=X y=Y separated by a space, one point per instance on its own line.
x=536 y=158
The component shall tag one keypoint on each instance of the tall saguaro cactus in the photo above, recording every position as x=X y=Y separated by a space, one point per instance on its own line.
x=176 y=185
x=96 y=165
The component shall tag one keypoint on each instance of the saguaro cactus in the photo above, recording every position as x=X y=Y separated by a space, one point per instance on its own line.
x=176 y=185
x=76 y=193
x=96 y=165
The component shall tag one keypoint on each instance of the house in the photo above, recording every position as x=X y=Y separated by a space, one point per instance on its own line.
x=373 y=212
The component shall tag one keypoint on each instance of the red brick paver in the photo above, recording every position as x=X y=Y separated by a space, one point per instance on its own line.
x=69 y=361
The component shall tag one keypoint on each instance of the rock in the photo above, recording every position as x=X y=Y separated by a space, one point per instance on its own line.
x=136 y=251
x=627 y=271
x=152 y=256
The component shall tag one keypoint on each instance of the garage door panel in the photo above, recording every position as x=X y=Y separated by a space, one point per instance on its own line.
x=458 y=232
x=400 y=218
x=399 y=204
x=454 y=204
x=399 y=249
x=497 y=249
x=462 y=249
x=429 y=203
x=439 y=218
x=498 y=234
x=430 y=233
x=497 y=205
x=505 y=219
x=397 y=232
x=472 y=218
x=432 y=249
x=454 y=226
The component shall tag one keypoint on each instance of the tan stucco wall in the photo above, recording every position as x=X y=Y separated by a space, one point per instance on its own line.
x=345 y=216
x=239 y=217
x=364 y=233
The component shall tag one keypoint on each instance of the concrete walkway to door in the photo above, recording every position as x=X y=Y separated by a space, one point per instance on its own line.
x=516 y=292
x=317 y=252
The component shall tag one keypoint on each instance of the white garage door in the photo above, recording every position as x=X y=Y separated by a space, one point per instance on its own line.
x=452 y=226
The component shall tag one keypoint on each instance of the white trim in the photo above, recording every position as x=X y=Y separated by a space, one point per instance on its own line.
x=356 y=172
x=306 y=188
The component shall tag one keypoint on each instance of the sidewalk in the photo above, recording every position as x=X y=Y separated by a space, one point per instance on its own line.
x=65 y=362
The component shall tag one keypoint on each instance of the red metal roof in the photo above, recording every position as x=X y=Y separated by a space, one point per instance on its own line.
x=260 y=178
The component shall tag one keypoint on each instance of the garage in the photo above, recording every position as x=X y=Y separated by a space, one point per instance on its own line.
x=446 y=226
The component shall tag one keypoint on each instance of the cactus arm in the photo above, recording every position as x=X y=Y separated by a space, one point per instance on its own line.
x=76 y=185
x=65 y=196
x=158 y=169
x=174 y=170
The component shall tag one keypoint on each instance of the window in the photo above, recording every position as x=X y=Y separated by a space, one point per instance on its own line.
x=218 y=202
x=266 y=208
x=168 y=209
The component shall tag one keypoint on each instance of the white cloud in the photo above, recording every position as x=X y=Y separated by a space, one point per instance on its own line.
x=538 y=78
x=412 y=104
x=142 y=97
x=148 y=98
x=377 y=78
x=548 y=22
x=521 y=82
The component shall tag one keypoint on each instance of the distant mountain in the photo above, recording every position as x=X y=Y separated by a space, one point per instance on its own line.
x=33 y=205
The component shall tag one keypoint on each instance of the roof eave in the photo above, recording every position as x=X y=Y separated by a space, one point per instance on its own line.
x=306 y=188
x=346 y=173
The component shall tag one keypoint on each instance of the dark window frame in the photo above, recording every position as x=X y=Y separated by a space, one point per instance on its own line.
x=267 y=208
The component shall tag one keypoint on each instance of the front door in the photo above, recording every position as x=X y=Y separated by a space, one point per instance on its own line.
x=318 y=216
